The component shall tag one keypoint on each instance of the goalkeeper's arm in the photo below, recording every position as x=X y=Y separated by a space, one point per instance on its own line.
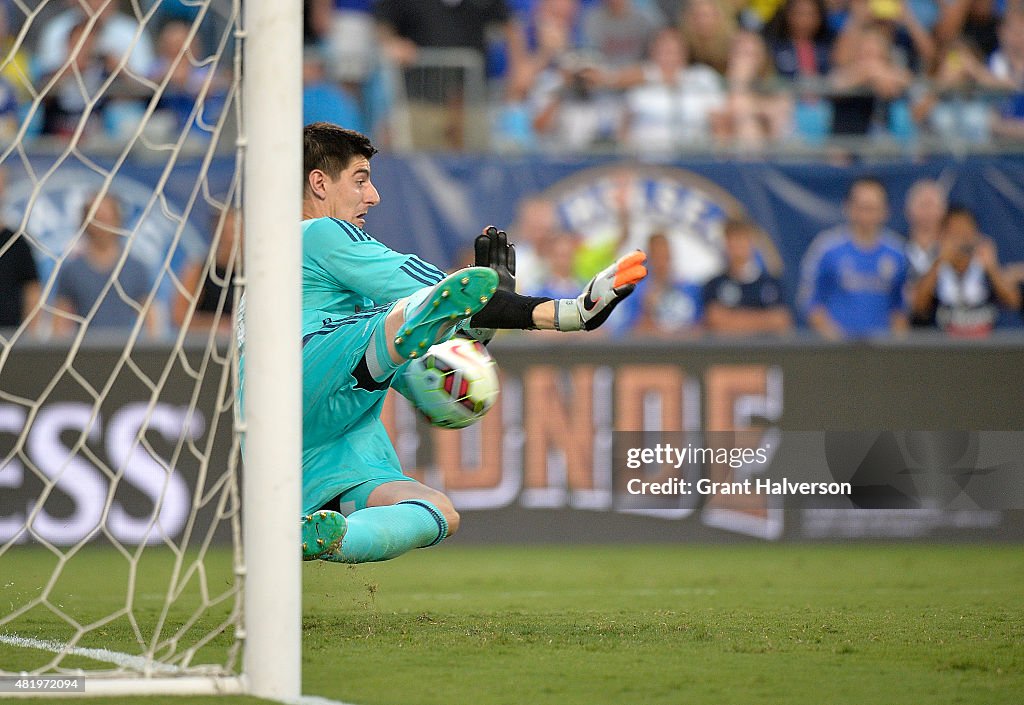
x=587 y=311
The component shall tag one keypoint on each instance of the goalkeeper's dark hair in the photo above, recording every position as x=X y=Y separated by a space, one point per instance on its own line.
x=330 y=148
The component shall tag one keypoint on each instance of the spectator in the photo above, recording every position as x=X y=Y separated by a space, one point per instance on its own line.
x=1007 y=66
x=1014 y=273
x=672 y=10
x=754 y=114
x=354 y=55
x=77 y=94
x=438 y=95
x=1007 y=62
x=975 y=21
x=616 y=34
x=208 y=284
x=344 y=32
x=536 y=223
x=869 y=84
x=212 y=20
x=663 y=306
x=114 y=33
x=708 y=27
x=188 y=75
x=836 y=14
x=952 y=108
x=619 y=32
x=15 y=84
x=926 y=12
x=536 y=48
x=19 y=278
x=675 y=104
x=570 y=107
x=800 y=41
x=85 y=289
x=925 y=208
x=571 y=96
x=911 y=46
x=17 y=64
x=324 y=100
x=962 y=291
x=623 y=188
x=10 y=117
x=540 y=44
x=744 y=299
x=756 y=14
x=317 y=17
x=560 y=280
x=852 y=277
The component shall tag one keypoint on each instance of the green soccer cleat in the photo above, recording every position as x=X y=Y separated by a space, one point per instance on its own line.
x=322 y=532
x=456 y=297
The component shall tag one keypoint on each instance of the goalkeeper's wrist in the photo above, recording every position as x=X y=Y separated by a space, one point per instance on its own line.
x=567 y=315
x=509 y=310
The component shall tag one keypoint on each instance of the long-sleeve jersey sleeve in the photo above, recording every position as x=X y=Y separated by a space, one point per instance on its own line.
x=345 y=270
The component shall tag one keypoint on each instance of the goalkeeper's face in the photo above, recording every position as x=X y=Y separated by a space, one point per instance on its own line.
x=352 y=194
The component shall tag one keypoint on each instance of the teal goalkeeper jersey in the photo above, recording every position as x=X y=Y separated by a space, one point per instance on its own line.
x=346 y=271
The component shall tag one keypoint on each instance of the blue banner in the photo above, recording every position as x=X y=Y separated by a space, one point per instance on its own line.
x=435 y=204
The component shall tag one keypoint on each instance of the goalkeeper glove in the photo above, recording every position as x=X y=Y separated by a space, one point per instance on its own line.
x=493 y=250
x=600 y=297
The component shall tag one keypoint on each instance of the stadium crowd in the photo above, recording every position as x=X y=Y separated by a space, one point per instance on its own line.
x=858 y=279
x=647 y=77
x=667 y=75
x=639 y=76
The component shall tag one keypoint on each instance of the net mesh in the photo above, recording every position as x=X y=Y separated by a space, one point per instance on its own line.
x=120 y=547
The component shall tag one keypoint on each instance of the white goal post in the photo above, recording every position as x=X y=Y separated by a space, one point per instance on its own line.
x=272 y=123
x=253 y=587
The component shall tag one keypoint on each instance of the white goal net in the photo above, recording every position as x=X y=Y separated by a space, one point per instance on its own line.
x=122 y=149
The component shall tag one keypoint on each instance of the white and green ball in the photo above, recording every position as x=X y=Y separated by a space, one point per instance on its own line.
x=454 y=384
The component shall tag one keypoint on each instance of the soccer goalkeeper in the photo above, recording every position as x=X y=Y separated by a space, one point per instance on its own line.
x=367 y=310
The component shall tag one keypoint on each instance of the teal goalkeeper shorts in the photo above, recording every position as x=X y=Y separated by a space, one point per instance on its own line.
x=345 y=448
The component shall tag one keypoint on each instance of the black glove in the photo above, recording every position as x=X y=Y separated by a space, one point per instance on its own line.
x=493 y=250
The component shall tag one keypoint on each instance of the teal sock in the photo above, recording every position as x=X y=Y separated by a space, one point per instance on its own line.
x=382 y=533
x=378 y=359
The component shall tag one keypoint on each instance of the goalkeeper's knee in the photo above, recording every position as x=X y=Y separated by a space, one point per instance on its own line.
x=440 y=508
x=447 y=510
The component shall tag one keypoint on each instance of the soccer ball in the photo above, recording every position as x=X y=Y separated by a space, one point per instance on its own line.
x=454 y=384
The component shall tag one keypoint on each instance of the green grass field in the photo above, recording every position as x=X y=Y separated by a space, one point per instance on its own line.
x=701 y=625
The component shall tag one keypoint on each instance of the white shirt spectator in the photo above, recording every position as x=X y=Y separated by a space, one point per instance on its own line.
x=117 y=37
x=583 y=117
x=668 y=115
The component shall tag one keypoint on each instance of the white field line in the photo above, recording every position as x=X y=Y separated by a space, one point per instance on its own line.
x=127 y=661
x=542 y=594
x=314 y=700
